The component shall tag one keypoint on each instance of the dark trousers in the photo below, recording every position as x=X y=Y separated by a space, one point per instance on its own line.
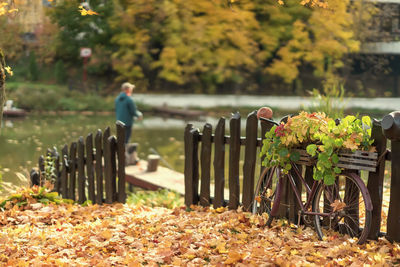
x=128 y=132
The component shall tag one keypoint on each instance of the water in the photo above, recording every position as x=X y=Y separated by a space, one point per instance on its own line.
x=22 y=141
x=282 y=102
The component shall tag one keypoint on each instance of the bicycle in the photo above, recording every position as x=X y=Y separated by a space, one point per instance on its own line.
x=344 y=206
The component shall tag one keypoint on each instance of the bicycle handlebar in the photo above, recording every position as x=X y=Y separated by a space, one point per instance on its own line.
x=268 y=120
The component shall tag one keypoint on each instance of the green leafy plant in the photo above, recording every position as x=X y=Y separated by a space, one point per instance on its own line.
x=28 y=196
x=49 y=173
x=322 y=138
x=330 y=101
x=159 y=198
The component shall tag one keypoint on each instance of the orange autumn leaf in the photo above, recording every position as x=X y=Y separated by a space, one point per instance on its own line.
x=338 y=205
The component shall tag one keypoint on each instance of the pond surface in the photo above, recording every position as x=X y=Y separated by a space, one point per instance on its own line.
x=22 y=141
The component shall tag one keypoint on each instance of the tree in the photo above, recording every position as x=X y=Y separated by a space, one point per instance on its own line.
x=322 y=41
x=77 y=31
x=4 y=10
x=202 y=43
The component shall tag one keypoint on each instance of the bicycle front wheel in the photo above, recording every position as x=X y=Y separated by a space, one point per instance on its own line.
x=343 y=207
x=265 y=192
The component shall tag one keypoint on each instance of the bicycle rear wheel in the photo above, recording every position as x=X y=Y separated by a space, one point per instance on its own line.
x=265 y=192
x=349 y=206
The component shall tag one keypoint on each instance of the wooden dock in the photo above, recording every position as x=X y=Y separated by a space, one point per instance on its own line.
x=137 y=175
x=161 y=178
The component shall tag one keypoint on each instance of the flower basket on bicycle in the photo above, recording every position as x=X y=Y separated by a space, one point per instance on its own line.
x=338 y=200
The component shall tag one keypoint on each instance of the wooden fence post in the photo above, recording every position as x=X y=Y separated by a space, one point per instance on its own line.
x=107 y=166
x=99 y=167
x=113 y=152
x=393 y=220
x=205 y=165
x=234 y=157
x=41 y=170
x=81 y=171
x=72 y=171
x=121 y=161
x=250 y=160
x=89 y=167
x=64 y=172
x=265 y=127
x=375 y=181
x=192 y=168
x=391 y=129
x=219 y=163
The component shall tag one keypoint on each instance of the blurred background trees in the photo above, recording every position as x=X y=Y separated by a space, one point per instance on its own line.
x=202 y=46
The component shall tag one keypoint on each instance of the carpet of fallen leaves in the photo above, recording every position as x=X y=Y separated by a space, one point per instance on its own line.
x=124 y=235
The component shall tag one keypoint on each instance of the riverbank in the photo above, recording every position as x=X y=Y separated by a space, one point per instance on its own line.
x=56 y=99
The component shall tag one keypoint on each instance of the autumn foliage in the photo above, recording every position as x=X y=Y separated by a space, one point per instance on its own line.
x=66 y=234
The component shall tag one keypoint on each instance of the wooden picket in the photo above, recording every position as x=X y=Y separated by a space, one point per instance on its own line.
x=90 y=173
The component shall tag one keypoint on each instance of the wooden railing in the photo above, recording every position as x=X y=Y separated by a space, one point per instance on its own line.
x=198 y=167
x=89 y=172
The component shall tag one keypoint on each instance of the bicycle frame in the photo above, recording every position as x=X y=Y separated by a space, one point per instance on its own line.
x=304 y=207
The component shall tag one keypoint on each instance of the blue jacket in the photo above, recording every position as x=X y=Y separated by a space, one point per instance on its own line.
x=125 y=109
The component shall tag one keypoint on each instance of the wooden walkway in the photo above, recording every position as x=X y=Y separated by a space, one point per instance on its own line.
x=137 y=175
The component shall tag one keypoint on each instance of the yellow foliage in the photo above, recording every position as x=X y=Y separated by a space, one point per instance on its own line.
x=85 y=11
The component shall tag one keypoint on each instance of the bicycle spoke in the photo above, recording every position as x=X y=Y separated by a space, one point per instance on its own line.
x=345 y=203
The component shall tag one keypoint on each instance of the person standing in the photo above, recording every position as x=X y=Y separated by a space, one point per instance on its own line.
x=125 y=109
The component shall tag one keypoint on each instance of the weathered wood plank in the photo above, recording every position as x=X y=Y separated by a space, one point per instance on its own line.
x=113 y=151
x=188 y=162
x=107 y=166
x=234 y=157
x=370 y=163
x=265 y=127
x=393 y=220
x=99 y=167
x=90 y=167
x=250 y=160
x=294 y=206
x=284 y=206
x=64 y=175
x=375 y=182
x=192 y=174
x=219 y=164
x=81 y=171
x=56 y=156
x=205 y=165
x=72 y=171
x=41 y=170
x=121 y=161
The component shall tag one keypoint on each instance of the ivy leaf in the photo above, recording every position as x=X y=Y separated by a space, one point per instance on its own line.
x=335 y=158
x=283 y=152
x=294 y=156
x=338 y=142
x=337 y=170
x=329 y=179
x=312 y=149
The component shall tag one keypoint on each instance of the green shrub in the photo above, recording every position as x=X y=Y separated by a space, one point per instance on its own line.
x=33 y=67
x=159 y=198
x=60 y=72
x=35 y=99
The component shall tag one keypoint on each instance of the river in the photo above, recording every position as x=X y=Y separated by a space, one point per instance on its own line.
x=282 y=102
x=22 y=141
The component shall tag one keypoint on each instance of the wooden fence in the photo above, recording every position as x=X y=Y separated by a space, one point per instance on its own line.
x=89 y=172
x=198 y=169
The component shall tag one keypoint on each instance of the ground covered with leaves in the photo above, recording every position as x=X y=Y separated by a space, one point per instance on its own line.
x=120 y=235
